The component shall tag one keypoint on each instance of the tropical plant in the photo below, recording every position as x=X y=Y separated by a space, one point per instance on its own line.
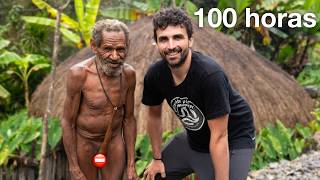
x=20 y=136
x=75 y=31
x=143 y=149
x=3 y=91
x=23 y=67
x=134 y=10
x=287 y=46
x=274 y=143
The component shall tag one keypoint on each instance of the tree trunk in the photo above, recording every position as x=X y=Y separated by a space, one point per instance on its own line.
x=26 y=93
x=49 y=102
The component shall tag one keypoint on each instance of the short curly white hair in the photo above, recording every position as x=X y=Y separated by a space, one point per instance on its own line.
x=109 y=25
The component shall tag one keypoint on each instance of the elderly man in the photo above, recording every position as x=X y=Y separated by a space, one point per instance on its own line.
x=98 y=111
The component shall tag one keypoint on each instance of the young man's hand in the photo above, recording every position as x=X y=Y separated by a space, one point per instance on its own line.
x=155 y=167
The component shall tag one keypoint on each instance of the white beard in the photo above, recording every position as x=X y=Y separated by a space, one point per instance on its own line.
x=103 y=65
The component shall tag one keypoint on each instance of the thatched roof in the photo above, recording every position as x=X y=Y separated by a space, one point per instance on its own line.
x=271 y=92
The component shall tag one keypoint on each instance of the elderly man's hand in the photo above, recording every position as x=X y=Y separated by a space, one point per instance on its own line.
x=155 y=167
x=132 y=173
x=77 y=173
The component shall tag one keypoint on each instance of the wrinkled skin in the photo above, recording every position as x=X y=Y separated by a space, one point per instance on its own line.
x=87 y=112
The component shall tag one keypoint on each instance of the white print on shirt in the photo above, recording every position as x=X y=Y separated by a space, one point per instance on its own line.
x=190 y=115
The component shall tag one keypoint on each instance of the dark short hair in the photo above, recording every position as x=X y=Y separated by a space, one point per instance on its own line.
x=171 y=16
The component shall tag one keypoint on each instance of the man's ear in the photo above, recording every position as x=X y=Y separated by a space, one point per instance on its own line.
x=190 y=42
x=128 y=46
x=93 y=46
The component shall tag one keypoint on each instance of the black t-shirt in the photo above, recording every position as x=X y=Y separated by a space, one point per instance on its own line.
x=204 y=94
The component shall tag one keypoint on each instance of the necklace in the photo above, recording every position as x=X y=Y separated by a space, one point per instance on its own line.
x=105 y=92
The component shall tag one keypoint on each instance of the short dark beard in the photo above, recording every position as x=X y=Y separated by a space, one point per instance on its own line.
x=181 y=61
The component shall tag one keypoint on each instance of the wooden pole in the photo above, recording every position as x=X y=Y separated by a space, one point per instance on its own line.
x=56 y=47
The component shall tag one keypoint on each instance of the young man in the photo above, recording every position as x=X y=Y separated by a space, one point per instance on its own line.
x=219 y=139
x=98 y=112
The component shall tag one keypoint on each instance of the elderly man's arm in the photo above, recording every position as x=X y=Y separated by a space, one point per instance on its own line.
x=219 y=146
x=130 y=125
x=71 y=106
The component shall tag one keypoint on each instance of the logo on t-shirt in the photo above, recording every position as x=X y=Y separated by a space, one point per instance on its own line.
x=190 y=115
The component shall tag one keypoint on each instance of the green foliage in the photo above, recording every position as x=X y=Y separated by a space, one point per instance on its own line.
x=134 y=10
x=20 y=135
x=274 y=143
x=22 y=67
x=72 y=30
x=143 y=149
x=310 y=75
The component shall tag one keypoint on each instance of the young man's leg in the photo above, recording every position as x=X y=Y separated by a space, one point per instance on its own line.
x=240 y=160
x=175 y=158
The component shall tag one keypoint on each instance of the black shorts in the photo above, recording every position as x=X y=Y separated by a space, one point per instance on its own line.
x=180 y=160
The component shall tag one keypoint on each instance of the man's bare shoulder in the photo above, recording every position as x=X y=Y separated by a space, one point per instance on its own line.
x=80 y=69
x=130 y=73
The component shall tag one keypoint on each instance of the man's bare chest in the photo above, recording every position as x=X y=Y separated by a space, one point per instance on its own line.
x=112 y=93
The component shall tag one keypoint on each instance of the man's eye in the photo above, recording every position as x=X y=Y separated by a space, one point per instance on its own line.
x=108 y=49
x=162 y=40
x=121 y=50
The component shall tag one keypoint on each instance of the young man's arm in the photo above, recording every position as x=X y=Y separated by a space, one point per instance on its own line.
x=218 y=146
x=71 y=106
x=130 y=126
x=153 y=116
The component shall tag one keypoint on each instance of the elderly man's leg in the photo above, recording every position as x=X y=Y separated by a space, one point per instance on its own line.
x=86 y=149
x=116 y=160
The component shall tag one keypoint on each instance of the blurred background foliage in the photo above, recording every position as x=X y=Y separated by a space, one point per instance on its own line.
x=26 y=40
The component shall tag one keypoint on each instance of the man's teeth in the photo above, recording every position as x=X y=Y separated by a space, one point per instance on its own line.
x=172 y=53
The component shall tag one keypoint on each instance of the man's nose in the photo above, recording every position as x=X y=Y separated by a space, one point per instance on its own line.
x=171 y=44
x=114 y=55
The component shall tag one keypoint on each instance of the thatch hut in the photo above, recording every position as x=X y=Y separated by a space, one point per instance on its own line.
x=271 y=92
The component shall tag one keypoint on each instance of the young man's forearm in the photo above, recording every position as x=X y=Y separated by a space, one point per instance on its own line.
x=155 y=134
x=220 y=157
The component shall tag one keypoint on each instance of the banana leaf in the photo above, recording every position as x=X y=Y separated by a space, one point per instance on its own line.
x=65 y=19
x=3 y=93
x=4 y=43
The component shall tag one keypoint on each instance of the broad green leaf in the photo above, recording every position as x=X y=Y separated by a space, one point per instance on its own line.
x=124 y=13
x=143 y=6
x=25 y=149
x=42 y=21
x=305 y=132
x=1 y=141
x=54 y=132
x=78 y=5
x=4 y=155
x=37 y=67
x=3 y=94
x=53 y=12
x=71 y=36
x=90 y=16
x=4 y=43
x=35 y=58
x=141 y=165
x=9 y=57
x=153 y=5
x=241 y=5
x=191 y=8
